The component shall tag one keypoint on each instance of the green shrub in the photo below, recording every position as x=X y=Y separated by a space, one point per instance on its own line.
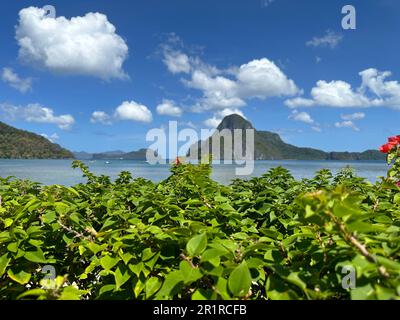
x=188 y=237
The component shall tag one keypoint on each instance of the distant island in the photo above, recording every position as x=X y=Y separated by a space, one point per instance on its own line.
x=270 y=146
x=21 y=144
x=112 y=155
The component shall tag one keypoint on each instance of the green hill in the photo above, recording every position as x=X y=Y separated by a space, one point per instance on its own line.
x=120 y=155
x=270 y=146
x=20 y=144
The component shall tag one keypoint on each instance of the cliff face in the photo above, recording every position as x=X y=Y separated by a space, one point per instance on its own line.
x=270 y=146
x=20 y=144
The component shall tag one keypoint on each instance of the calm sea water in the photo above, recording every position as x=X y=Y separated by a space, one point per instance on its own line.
x=60 y=171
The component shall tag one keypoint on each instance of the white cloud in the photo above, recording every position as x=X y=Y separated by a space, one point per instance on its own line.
x=131 y=110
x=85 y=45
x=101 y=117
x=37 y=113
x=231 y=87
x=168 y=108
x=330 y=39
x=14 y=80
x=387 y=92
x=51 y=138
x=220 y=115
x=301 y=116
x=176 y=61
x=353 y=116
x=228 y=111
x=347 y=124
x=218 y=92
x=299 y=102
x=337 y=94
x=212 y=122
x=257 y=79
x=40 y=114
x=263 y=79
x=374 y=91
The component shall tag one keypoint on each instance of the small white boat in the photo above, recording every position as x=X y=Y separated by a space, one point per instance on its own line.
x=107 y=162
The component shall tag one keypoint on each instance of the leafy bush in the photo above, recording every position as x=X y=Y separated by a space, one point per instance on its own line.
x=188 y=237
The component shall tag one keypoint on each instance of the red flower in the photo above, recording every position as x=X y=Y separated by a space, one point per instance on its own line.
x=394 y=140
x=386 y=147
x=398 y=184
x=177 y=161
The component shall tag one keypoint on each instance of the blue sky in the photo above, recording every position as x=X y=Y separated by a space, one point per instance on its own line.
x=101 y=81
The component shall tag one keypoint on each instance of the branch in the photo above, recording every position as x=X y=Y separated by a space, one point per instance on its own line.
x=350 y=238
x=70 y=230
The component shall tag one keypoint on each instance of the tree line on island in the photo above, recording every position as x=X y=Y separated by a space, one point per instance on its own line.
x=21 y=144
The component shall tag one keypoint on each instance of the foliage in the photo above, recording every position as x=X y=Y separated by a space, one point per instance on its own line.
x=188 y=237
x=20 y=144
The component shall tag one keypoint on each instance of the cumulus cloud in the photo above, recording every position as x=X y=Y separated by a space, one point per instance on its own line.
x=301 y=116
x=14 y=80
x=262 y=78
x=52 y=138
x=218 y=116
x=86 y=45
x=127 y=110
x=101 y=117
x=131 y=110
x=330 y=39
x=347 y=124
x=168 y=108
x=231 y=87
x=40 y=114
x=374 y=91
x=257 y=79
x=37 y=113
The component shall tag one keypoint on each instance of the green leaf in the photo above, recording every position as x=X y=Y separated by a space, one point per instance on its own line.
x=189 y=274
x=33 y=292
x=152 y=286
x=95 y=248
x=295 y=279
x=70 y=293
x=202 y=294
x=107 y=262
x=121 y=275
x=197 y=245
x=21 y=277
x=35 y=256
x=8 y=222
x=239 y=281
x=172 y=284
x=4 y=261
x=365 y=292
x=13 y=247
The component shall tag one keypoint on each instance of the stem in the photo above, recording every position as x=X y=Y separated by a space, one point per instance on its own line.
x=350 y=238
x=77 y=234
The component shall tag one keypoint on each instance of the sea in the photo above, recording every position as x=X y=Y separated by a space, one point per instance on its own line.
x=48 y=172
